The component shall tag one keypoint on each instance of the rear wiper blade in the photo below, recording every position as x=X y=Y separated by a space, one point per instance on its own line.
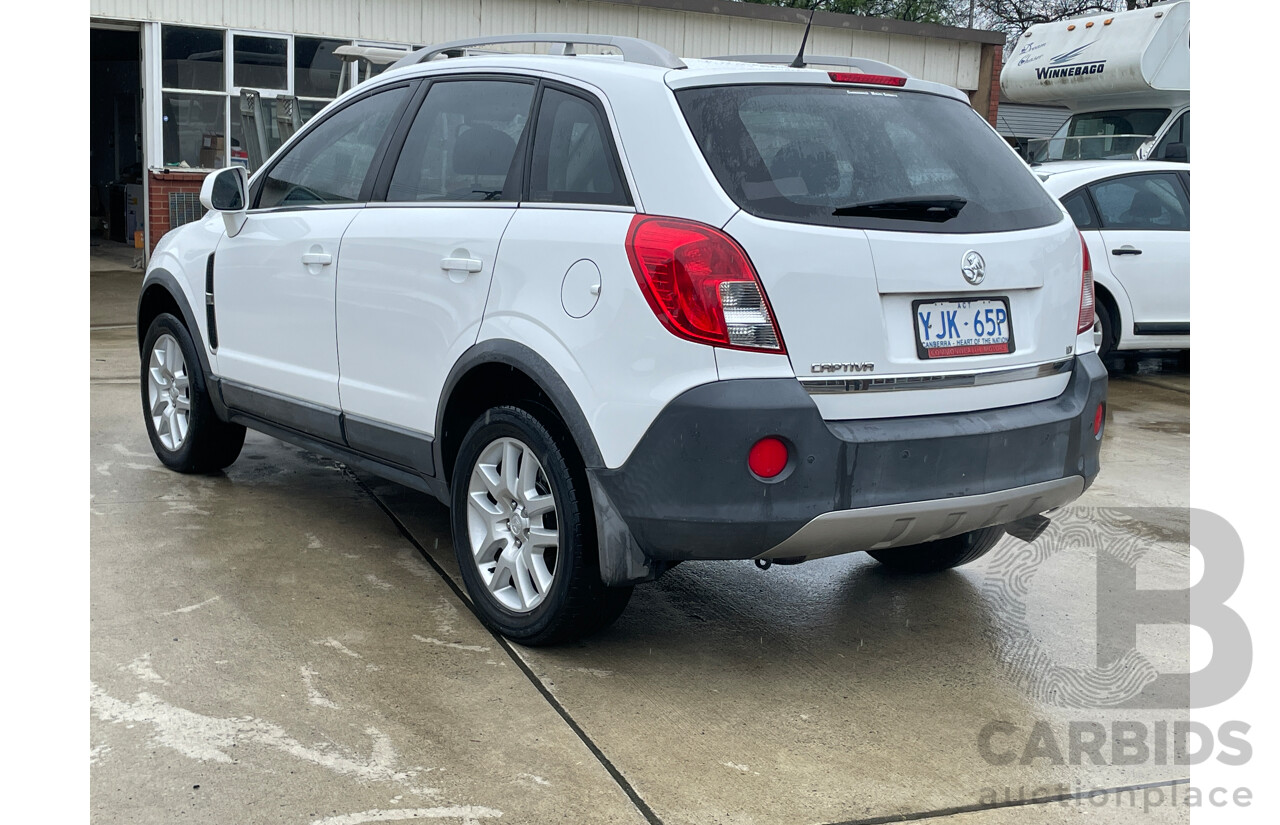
x=937 y=208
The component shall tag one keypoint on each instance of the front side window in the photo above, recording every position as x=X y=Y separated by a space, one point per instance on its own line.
x=573 y=160
x=865 y=159
x=1179 y=132
x=1143 y=202
x=330 y=163
x=462 y=145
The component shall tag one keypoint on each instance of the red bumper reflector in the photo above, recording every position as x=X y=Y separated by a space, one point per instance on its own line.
x=768 y=457
x=1098 y=418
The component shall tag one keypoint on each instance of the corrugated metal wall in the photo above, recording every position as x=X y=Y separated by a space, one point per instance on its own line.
x=690 y=34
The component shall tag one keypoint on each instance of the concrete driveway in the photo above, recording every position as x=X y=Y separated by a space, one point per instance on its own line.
x=288 y=642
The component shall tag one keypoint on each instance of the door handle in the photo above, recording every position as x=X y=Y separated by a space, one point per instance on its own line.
x=460 y=264
x=1126 y=250
x=317 y=258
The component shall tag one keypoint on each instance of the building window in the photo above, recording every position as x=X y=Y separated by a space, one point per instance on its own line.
x=192 y=58
x=200 y=88
x=261 y=62
x=194 y=126
x=316 y=69
x=193 y=100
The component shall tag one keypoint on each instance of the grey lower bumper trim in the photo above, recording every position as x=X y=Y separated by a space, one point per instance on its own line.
x=898 y=525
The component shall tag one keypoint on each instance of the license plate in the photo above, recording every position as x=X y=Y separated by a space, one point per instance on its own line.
x=949 y=329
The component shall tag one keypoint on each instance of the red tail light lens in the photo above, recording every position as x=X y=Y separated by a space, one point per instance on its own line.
x=1086 y=291
x=873 y=79
x=701 y=284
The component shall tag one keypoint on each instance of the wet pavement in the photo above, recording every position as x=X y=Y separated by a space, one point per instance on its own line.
x=287 y=642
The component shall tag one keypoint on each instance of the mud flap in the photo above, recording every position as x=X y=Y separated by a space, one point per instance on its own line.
x=622 y=562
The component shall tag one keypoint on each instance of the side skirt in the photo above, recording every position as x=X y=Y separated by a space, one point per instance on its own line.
x=403 y=457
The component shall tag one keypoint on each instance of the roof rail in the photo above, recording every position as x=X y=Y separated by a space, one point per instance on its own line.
x=633 y=49
x=864 y=63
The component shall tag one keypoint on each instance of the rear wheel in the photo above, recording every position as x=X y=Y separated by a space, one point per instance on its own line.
x=185 y=432
x=523 y=532
x=942 y=554
x=1105 y=331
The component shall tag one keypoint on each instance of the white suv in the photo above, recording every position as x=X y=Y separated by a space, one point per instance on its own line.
x=620 y=312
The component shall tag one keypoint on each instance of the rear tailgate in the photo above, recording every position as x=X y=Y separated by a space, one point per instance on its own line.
x=913 y=263
x=848 y=303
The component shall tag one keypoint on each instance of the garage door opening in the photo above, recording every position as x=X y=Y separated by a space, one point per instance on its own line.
x=116 y=206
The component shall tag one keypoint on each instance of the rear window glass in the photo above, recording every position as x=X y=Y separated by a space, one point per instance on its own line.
x=861 y=158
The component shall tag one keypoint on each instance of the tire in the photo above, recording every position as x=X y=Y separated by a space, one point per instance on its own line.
x=190 y=440
x=532 y=569
x=1106 y=330
x=942 y=554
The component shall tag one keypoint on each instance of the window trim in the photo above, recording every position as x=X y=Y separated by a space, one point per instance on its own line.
x=232 y=89
x=382 y=184
x=619 y=170
x=379 y=155
x=1176 y=175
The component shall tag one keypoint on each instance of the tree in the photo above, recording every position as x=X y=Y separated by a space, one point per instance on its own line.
x=915 y=11
x=1013 y=17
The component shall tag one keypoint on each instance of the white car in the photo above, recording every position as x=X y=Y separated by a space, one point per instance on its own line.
x=618 y=313
x=1135 y=217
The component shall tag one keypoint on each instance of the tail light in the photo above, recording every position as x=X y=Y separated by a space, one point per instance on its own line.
x=1086 y=291
x=701 y=284
x=873 y=79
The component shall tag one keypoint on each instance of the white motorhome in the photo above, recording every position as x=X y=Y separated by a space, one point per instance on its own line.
x=1126 y=78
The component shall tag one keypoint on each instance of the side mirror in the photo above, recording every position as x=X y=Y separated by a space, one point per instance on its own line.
x=227 y=191
x=1177 y=153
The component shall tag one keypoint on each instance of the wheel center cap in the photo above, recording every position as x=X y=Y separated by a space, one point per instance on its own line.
x=519 y=524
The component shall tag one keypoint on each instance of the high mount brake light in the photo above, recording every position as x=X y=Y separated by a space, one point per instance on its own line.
x=873 y=79
x=701 y=284
x=1086 y=291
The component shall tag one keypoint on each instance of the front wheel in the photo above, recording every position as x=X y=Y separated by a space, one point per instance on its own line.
x=185 y=432
x=942 y=554
x=523 y=532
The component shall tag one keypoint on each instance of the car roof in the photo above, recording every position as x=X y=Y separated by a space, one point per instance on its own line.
x=600 y=70
x=1060 y=177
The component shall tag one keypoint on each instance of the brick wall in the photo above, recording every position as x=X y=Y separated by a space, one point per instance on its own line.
x=162 y=183
x=996 y=63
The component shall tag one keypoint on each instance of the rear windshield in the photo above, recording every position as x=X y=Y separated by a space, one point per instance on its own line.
x=866 y=159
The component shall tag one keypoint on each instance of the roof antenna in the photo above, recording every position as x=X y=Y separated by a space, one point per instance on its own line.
x=798 y=63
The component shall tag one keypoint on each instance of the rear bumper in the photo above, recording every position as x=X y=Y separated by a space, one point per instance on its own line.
x=686 y=492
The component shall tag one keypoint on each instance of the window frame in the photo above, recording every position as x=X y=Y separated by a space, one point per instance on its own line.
x=1179 y=186
x=380 y=154
x=231 y=93
x=233 y=90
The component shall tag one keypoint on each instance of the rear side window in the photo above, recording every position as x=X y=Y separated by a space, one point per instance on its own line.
x=1143 y=202
x=329 y=164
x=859 y=158
x=1077 y=204
x=573 y=159
x=462 y=144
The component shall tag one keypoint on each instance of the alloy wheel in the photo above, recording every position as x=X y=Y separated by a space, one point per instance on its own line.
x=512 y=525
x=169 y=393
